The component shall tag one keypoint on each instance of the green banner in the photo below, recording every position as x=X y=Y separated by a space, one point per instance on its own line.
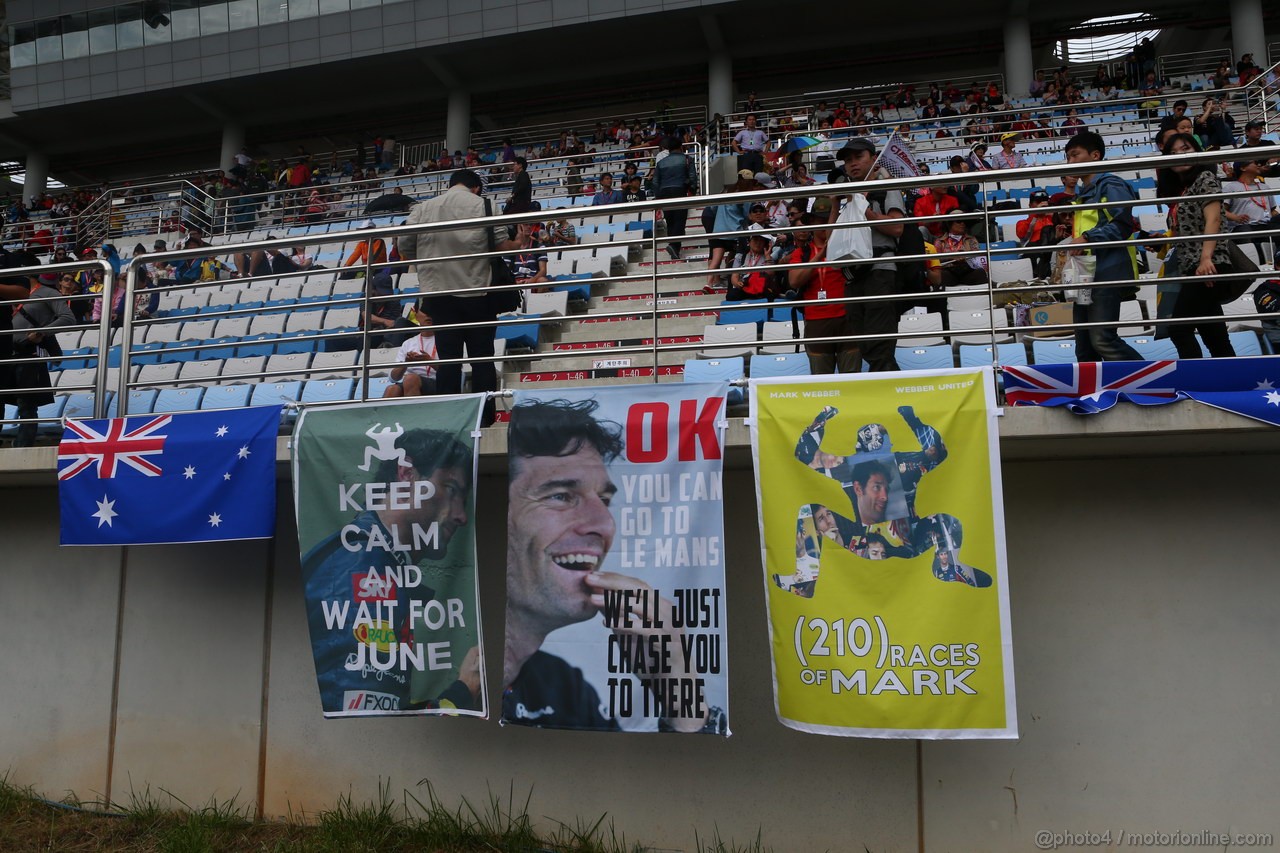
x=385 y=499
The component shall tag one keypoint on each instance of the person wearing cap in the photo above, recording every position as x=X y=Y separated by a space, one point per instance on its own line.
x=879 y=278
x=750 y=278
x=363 y=252
x=1040 y=229
x=31 y=323
x=1253 y=138
x=1007 y=157
x=606 y=194
x=749 y=144
x=977 y=158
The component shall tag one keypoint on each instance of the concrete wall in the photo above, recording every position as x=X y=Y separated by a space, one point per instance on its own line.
x=1145 y=648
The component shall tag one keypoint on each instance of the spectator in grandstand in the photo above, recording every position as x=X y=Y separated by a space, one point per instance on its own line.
x=561 y=233
x=1040 y=229
x=1195 y=216
x=469 y=274
x=674 y=177
x=936 y=202
x=374 y=252
x=81 y=308
x=724 y=218
x=879 y=278
x=529 y=267
x=1112 y=264
x=821 y=114
x=1007 y=157
x=821 y=319
x=959 y=272
x=1072 y=124
x=750 y=105
x=1255 y=212
x=301 y=260
x=751 y=278
x=413 y=375
x=1222 y=77
x=966 y=194
x=977 y=159
x=1215 y=126
x=29 y=339
x=606 y=194
x=632 y=190
x=521 y=200
x=1247 y=69
x=749 y=144
x=1253 y=139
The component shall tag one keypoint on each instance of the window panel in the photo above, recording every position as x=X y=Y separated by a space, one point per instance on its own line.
x=102 y=31
x=22 y=45
x=186 y=19
x=75 y=36
x=48 y=41
x=302 y=9
x=156 y=22
x=242 y=14
x=213 y=18
x=272 y=11
x=128 y=26
x=328 y=6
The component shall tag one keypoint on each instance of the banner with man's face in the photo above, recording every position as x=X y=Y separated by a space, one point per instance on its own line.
x=883 y=537
x=615 y=559
x=385 y=500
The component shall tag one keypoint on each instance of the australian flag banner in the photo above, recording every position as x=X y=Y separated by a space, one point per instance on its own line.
x=1246 y=386
x=156 y=479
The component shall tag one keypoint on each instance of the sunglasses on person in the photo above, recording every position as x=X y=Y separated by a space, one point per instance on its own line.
x=793 y=214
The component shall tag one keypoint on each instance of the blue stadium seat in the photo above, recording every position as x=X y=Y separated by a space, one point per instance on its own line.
x=1056 y=351
x=925 y=358
x=146 y=353
x=264 y=344
x=766 y=365
x=141 y=402
x=52 y=412
x=327 y=390
x=80 y=405
x=291 y=342
x=1246 y=343
x=519 y=335
x=278 y=393
x=178 y=400
x=716 y=370
x=1152 y=349
x=977 y=355
x=226 y=397
x=377 y=387
x=758 y=313
x=218 y=348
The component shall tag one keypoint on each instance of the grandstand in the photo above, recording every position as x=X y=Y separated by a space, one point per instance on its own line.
x=1117 y=622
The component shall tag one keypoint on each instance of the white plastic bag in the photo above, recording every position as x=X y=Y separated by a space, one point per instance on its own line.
x=851 y=242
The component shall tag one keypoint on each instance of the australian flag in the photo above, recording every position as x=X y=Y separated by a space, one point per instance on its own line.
x=153 y=479
x=1246 y=386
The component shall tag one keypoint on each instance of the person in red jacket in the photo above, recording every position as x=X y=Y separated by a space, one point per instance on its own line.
x=936 y=202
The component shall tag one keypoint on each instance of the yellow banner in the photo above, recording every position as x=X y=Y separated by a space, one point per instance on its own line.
x=885 y=575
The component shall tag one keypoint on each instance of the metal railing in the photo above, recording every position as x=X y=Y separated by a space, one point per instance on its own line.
x=1194 y=62
x=658 y=300
x=540 y=134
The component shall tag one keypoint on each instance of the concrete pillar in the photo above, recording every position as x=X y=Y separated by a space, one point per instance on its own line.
x=1247 y=32
x=232 y=142
x=37 y=177
x=720 y=83
x=457 y=123
x=1018 y=70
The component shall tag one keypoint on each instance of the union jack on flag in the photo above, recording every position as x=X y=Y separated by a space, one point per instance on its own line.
x=109 y=448
x=1089 y=380
x=161 y=478
x=1247 y=386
